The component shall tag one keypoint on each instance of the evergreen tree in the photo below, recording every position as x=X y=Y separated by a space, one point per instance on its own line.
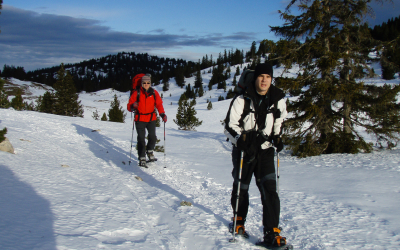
x=189 y=93
x=331 y=98
x=237 y=73
x=4 y=103
x=17 y=102
x=234 y=82
x=218 y=77
x=3 y=132
x=104 y=117
x=66 y=97
x=198 y=81
x=222 y=85
x=116 y=112
x=179 y=76
x=46 y=102
x=182 y=98
x=165 y=86
x=210 y=84
x=252 y=53
x=209 y=106
x=186 y=115
x=230 y=94
x=201 y=90
x=390 y=58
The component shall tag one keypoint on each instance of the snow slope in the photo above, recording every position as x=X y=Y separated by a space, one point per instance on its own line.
x=69 y=186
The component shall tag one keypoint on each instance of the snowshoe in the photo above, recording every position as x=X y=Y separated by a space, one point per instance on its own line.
x=239 y=227
x=150 y=155
x=272 y=240
x=142 y=162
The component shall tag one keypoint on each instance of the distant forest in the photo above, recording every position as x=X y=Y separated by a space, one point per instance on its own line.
x=117 y=71
x=387 y=31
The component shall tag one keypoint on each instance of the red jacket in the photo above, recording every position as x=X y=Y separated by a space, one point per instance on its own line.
x=148 y=101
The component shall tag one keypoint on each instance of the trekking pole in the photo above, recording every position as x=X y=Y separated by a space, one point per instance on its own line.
x=277 y=173
x=238 y=192
x=130 y=154
x=165 y=164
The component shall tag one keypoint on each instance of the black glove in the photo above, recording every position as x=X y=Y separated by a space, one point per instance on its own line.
x=241 y=143
x=164 y=117
x=249 y=145
x=278 y=144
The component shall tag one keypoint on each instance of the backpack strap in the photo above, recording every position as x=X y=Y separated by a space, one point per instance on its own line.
x=246 y=110
x=276 y=113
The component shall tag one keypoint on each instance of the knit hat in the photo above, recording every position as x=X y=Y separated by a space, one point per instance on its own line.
x=264 y=68
x=146 y=78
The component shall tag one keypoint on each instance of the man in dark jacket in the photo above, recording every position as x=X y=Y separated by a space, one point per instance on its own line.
x=253 y=125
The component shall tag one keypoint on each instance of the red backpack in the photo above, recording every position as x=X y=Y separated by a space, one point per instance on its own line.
x=136 y=82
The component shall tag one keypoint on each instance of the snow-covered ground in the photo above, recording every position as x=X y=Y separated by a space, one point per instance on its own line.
x=69 y=186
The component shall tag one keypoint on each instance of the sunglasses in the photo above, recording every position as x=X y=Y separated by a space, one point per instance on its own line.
x=146 y=82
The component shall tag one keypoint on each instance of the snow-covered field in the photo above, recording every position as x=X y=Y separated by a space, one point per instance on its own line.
x=69 y=186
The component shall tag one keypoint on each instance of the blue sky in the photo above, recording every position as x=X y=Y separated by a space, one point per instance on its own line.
x=44 y=33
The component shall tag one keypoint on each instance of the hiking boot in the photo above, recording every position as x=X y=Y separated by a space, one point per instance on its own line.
x=142 y=162
x=150 y=155
x=239 y=227
x=273 y=239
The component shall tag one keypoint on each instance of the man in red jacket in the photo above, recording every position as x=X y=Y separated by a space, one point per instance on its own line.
x=143 y=101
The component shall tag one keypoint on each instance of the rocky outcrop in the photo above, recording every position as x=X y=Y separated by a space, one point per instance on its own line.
x=6 y=146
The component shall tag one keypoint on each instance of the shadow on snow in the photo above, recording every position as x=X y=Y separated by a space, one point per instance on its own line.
x=99 y=144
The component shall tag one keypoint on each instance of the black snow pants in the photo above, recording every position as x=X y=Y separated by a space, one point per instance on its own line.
x=263 y=168
x=141 y=136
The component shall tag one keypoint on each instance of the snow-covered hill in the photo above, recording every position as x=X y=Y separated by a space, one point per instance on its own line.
x=69 y=186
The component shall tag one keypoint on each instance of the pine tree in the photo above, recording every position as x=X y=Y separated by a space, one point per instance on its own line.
x=222 y=85
x=390 y=61
x=179 y=76
x=201 y=90
x=3 y=132
x=66 y=97
x=116 y=112
x=189 y=93
x=209 y=106
x=186 y=115
x=331 y=98
x=104 y=117
x=252 y=53
x=234 y=82
x=165 y=85
x=4 y=103
x=46 y=102
x=230 y=94
x=198 y=81
x=17 y=102
x=237 y=73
